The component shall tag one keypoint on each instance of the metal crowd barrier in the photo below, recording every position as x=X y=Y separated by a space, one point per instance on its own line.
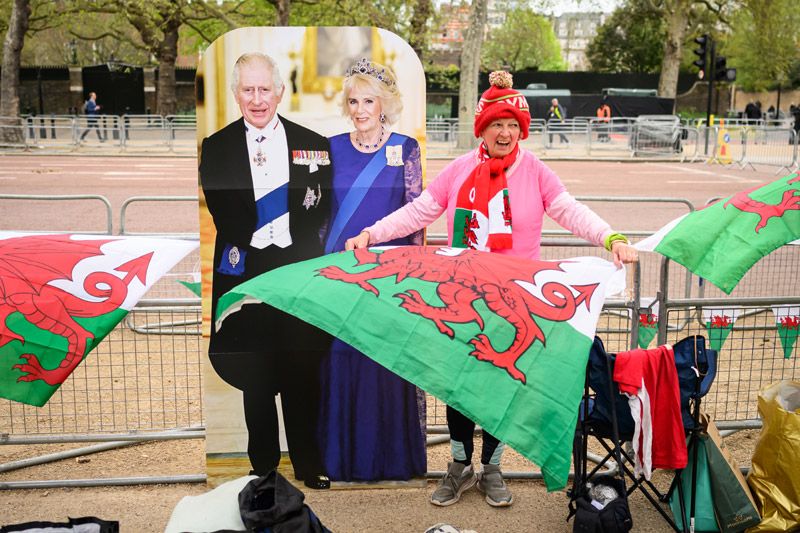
x=752 y=355
x=769 y=146
x=747 y=142
x=30 y=201
x=124 y=222
x=126 y=133
x=12 y=133
x=170 y=285
x=610 y=136
x=561 y=134
x=182 y=133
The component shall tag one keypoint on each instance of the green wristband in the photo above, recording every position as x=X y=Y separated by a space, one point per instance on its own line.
x=614 y=237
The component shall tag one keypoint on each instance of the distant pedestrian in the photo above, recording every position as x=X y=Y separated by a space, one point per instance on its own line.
x=752 y=111
x=604 y=118
x=92 y=109
x=795 y=112
x=771 y=115
x=557 y=114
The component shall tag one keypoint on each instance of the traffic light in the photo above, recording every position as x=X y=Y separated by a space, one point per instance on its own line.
x=701 y=52
x=722 y=72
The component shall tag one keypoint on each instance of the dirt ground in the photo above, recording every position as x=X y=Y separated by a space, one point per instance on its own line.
x=145 y=508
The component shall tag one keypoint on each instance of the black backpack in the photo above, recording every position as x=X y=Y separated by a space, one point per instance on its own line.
x=615 y=517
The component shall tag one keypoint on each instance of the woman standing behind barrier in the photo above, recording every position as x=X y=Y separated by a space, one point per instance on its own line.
x=372 y=421
x=480 y=191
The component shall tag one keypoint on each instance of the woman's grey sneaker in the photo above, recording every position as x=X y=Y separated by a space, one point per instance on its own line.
x=491 y=483
x=457 y=479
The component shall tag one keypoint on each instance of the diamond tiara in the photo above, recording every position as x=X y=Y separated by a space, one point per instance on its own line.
x=366 y=67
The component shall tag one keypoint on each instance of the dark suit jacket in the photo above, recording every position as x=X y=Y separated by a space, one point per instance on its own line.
x=228 y=189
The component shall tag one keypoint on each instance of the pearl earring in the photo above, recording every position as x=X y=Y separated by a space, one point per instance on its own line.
x=383 y=117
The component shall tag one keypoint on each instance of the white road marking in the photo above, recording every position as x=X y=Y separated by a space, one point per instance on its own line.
x=154 y=178
x=133 y=173
x=699 y=182
x=705 y=172
x=190 y=164
x=8 y=177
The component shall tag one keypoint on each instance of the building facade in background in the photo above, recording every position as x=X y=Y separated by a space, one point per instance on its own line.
x=574 y=32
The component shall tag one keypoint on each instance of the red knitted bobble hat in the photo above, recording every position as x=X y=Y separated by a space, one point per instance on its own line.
x=501 y=101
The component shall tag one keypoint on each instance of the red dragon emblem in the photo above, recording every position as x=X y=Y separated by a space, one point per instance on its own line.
x=464 y=279
x=470 y=240
x=789 y=202
x=27 y=266
x=720 y=321
x=790 y=322
x=648 y=320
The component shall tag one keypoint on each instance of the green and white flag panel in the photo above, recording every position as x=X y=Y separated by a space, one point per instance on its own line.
x=722 y=241
x=787 y=323
x=62 y=294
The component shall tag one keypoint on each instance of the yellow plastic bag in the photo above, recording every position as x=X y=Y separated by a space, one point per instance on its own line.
x=775 y=475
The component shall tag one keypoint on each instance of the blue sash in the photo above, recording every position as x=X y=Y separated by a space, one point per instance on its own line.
x=358 y=190
x=272 y=205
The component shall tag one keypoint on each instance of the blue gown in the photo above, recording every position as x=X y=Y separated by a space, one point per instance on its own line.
x=372 y=422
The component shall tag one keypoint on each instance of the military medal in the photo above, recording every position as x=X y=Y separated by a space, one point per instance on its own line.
x=311 y=157
x=259 y=159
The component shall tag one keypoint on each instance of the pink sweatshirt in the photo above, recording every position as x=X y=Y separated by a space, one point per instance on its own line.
x=534 y=189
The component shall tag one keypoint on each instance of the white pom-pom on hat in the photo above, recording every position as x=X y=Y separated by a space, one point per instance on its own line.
x=501 y=79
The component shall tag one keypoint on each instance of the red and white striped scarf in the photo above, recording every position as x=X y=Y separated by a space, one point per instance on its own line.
x=482 y=218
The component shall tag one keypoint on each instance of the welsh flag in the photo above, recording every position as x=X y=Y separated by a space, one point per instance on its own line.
x=503 y=340
x=193 y=285
x=723 y=240
x=482 y=222
x=719 y=324
x=60 y=295
x=648 y=324
x=787 y=323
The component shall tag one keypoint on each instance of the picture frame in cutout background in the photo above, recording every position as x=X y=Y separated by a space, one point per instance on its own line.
x=312 y=99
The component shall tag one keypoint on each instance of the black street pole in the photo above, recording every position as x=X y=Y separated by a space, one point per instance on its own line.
x=710 y=65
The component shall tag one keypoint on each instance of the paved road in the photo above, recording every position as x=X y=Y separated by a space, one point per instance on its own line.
x=120 y=178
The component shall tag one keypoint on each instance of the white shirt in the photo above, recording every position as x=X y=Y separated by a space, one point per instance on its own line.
x=272 y=174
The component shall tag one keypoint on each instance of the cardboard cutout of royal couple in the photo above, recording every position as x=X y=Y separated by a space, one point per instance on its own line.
x=306 y=135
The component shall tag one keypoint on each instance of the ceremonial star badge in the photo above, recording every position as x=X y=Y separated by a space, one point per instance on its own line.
x=312 y=198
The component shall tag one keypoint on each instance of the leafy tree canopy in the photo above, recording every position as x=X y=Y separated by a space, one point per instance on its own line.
x=764 y=44
x=631 y=40
x=525 y=41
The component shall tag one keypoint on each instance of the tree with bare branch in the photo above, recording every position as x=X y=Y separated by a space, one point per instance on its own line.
x=156 y=24
x=470 y=65
x=680 y=16
x=9 y=81
x=12 y=50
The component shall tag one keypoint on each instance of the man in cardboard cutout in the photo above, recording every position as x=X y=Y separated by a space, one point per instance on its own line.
x=266 y=182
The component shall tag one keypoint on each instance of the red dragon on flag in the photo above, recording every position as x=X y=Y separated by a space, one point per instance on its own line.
x=70 y=290
x=459 y=288
x=27 y=265
x=790 y=201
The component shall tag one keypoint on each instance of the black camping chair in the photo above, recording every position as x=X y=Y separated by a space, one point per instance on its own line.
x=605 y=416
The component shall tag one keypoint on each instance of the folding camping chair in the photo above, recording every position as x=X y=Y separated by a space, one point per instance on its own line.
x=605 y=416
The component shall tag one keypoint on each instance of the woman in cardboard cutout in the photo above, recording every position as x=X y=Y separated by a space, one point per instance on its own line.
x=372 y=421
